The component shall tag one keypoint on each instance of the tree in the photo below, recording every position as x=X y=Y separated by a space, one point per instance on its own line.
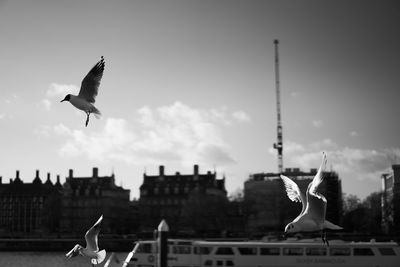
x=205 y=213
x=362 y=217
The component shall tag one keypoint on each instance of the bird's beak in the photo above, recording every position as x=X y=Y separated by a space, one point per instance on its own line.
x=62 y=100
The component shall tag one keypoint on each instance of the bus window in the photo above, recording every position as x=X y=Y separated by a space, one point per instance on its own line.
x=144 y=248
x=202 y=250
x=208 y=263
x=247 y=251
x=316 y=251
x=220 y=263
x=339 y=251
x=270 y=251
x=181 y=250
x=387 y=251
x=363 y=252
x=224 y=251
x=229 y=263
x=293 y=251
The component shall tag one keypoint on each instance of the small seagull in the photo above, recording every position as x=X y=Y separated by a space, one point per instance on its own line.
x=312 y=215
x=89 y=90
x=92 y=249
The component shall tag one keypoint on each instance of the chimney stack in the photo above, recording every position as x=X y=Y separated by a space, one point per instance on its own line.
x=95 y=172
x=17 y=174
x=196 y=169
x=37 y=174
x=71 y=173
x=161 y=168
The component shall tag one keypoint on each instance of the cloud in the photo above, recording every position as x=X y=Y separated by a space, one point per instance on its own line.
x=46 y=104
x=176 y=133
x=56 y=89
x=353 y=134
x=295 y=94
x=2 y=116
x=241 y=116
x=362 y=164
x=318 y=123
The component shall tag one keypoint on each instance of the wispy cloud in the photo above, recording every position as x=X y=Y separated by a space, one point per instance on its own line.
x=45 y=104
x=241 y=116
x=176 y=133
x=353 y=134
x=56 y=90
x=318 y=123
x=358 y=163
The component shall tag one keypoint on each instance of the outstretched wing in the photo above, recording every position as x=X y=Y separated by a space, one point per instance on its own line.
x=90 y=84
x=318 y=178
x=73 y=252
x=316 y=202
x=293 y=192
x=91 y=235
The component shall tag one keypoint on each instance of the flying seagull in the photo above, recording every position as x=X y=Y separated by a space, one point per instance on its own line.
x=92 y=249
x=312 y=215
x=89 y=89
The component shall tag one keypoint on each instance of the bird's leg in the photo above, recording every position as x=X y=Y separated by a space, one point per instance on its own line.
x=87 y=118
x=323 y=237
x=326 y=240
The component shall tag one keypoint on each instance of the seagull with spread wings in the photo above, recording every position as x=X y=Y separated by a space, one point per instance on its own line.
x=89 y=90
x=312 y=215
x=92 y=249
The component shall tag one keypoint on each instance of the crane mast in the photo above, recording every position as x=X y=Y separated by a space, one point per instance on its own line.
x=278 y=145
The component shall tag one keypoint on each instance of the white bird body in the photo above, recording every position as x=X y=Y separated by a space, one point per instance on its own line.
x=91 y=250
x=88 y=92
x=83 y=105
x=312 y=215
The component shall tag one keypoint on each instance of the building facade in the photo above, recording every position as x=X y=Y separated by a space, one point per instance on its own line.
x=29 y=209
x=85 y=199
x=167 y=197
x=268 y=209
x=391 y=201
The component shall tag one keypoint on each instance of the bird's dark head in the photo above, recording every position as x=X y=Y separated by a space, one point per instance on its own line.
x=66 y=98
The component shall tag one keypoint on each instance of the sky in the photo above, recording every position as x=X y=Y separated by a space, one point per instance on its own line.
x=193 y=82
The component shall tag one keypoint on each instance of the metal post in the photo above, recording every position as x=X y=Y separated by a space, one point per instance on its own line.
x=279 y=144
x=162 y=241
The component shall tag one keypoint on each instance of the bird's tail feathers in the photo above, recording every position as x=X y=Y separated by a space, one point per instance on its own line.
x=331 y=226
x=96 y=112
x=101 y=255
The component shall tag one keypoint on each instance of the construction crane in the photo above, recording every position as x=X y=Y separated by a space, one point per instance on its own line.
x=278 y=145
